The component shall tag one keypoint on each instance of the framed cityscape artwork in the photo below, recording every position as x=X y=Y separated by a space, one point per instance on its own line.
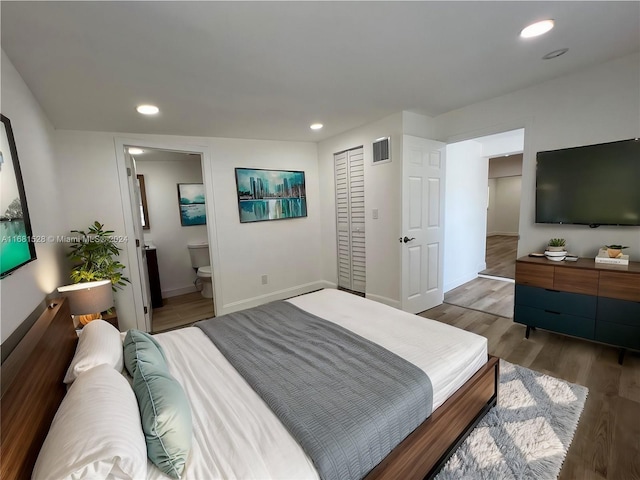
x=270 y=194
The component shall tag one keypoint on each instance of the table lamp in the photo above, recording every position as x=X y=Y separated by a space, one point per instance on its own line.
x=88 y=299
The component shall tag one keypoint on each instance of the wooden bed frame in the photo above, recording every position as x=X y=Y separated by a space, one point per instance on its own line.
x=32 y=388
x=32 y=391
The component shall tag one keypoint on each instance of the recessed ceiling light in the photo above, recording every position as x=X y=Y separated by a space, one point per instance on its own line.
x=555 y=54
x=536 y=29
x=147 y=109
x=316 y=126
x=135 y=151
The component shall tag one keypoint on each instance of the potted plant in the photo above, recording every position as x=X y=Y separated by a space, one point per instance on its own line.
x=556 y=245
x=615 y=251
x=94 y=254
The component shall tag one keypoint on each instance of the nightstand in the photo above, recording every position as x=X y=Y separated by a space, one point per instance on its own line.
x=112 y=318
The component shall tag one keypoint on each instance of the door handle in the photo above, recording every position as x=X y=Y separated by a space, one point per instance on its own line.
x=406 y=239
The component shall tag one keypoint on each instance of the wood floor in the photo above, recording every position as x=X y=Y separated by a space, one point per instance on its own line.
x=607 y=442
x=181 y=311
x=484 y=294
x=489 y=295
x=501 y=256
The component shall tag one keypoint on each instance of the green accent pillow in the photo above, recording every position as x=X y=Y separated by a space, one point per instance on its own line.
x=166 y=418
x=140 y=347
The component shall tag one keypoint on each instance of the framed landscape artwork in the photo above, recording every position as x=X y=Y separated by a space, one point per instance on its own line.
x=270 y=194
x=17 y=247
x=192 y=205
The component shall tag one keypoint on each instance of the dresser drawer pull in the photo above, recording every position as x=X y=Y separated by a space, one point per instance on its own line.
x=551 y=311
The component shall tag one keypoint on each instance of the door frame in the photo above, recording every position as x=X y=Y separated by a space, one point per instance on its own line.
x=135 y=276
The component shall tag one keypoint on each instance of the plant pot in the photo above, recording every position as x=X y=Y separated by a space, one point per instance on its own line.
x=614 y=252
x=556 y=249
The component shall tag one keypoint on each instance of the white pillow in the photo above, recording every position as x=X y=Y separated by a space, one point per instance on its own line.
x=96 y=432
x=99 y=343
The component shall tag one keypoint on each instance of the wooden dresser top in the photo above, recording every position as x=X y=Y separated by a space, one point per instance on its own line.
x=586 y=263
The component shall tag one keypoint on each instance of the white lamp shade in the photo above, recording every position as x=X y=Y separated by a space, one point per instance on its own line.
x=88 y=297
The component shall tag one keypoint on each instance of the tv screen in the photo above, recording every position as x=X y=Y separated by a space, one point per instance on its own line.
x=590 y=185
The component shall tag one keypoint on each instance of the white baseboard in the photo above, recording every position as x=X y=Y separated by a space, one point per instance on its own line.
x=460 y=281
x=270 y=297
x=178 y=291
x=502 y=234
x=385 y=300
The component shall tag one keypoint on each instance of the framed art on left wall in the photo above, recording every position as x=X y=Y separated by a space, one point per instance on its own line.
x=17 y=246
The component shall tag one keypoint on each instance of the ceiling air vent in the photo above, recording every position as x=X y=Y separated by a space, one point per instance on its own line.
x=381 y=150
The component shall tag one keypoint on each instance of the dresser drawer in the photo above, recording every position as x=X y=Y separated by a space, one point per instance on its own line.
x=557 y=302
x=534 y=275
x=556 y=322
x=618 y=311
x=619 y=335
x=576 y=280
x=622 y=285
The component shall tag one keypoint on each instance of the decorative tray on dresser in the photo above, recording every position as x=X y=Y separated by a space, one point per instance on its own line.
x=597 y=302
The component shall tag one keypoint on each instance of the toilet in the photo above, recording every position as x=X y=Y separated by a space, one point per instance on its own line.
x=199 y=253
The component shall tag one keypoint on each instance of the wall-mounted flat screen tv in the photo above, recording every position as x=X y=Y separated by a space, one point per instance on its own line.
x=590 y=185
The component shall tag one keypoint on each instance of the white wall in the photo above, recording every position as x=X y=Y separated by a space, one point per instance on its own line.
x=288 y=251
x=162 y=172
x=418 y=125
x=465 y=226
x=503 y=143
x=504 y=206
x=382 y=184
x=598 y=104
x=22 y=291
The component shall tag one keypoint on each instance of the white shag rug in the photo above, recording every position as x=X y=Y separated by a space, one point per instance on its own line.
x=526 y=436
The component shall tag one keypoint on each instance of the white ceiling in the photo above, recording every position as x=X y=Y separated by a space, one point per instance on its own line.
x=268 y=70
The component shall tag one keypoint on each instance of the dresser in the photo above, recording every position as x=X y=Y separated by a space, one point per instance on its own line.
x=583 y=299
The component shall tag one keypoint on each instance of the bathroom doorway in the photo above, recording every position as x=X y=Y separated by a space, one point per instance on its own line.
x=171 y=206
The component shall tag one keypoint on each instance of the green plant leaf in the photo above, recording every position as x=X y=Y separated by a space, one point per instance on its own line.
x=94 y=255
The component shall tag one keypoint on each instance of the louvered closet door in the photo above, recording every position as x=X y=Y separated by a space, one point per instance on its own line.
x=349 y=176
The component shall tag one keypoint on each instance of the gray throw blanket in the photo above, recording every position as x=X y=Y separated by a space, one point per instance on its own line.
x=347 y=401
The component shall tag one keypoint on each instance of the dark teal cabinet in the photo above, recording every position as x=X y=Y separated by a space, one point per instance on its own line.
x=557 y=302
x=619 y=322
x=569 y=313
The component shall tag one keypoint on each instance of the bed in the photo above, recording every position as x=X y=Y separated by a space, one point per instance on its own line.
x=464 y=382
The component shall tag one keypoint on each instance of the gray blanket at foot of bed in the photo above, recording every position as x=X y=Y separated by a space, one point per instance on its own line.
x=347 y=401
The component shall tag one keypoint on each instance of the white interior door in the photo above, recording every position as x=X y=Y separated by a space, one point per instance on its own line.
x=422 y=237
x=141 y=253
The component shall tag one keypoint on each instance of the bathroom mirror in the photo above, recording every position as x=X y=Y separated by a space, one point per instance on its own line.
x=144 y=212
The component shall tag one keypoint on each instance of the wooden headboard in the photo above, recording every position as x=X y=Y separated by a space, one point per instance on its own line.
x=32 y=388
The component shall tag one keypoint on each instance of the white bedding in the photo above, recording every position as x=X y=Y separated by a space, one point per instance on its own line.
x=235 y=433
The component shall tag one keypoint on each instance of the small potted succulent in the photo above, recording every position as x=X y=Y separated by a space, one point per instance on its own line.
x=556 y=245
x=614 y=251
